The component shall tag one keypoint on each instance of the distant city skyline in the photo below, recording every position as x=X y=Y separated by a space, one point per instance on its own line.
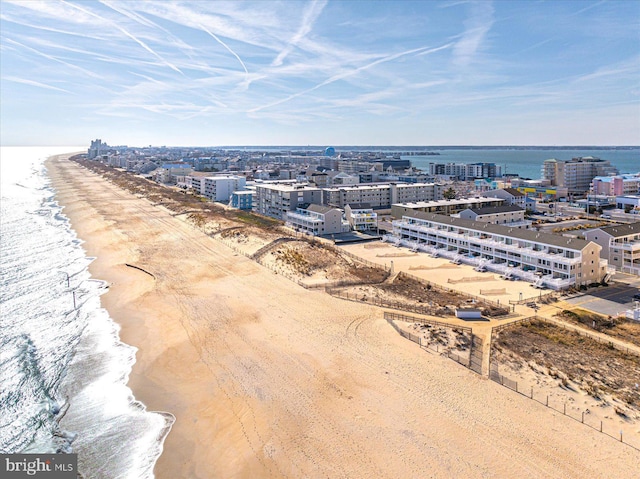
x=320 y=73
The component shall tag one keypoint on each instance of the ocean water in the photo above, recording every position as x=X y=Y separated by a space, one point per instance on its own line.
x=63 y=369
x=528 y=162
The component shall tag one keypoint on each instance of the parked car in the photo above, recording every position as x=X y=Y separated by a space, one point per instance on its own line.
x=636 y=297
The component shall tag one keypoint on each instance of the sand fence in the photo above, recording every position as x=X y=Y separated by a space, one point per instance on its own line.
x=475 y=348
x=471 y=279
x=493 y=292
x=474 y=363
x=543 y=398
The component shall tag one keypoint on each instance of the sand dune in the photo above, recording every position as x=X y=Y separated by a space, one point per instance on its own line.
x=267 y=379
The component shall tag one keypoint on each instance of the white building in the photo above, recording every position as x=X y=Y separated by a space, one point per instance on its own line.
x=547 y=260
x=317 y=220
x=168 y=172
x=275 y=199
x=465 y=171
x=221 y=187
x=511 y=196
x=361 y=217
x=216 y=188
x=342 y=178
x=628 y=202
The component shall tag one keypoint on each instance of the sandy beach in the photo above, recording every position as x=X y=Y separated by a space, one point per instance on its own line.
x=267 y=379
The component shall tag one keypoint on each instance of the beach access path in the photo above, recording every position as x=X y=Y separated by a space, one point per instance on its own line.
x=267 y=379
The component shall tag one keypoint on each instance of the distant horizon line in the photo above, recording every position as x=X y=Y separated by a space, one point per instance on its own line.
x=362 y=146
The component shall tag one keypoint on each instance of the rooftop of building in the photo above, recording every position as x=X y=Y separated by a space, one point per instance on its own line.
x=374 y=186
x=287 y=187
x=490 y=210
x=517 y=233
x=513 y=191
x=359 y=206
x=452 y=202
x=624 y=177
x=319 y=208
x=168 y=166
x=618 y=231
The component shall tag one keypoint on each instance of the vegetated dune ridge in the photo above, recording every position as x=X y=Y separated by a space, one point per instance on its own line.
x=267 y=379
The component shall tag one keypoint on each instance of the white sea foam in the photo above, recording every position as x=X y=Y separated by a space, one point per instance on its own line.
x=63 y=369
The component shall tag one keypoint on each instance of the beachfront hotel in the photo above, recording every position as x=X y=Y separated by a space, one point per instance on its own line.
x=544 y=259
x=576 y=174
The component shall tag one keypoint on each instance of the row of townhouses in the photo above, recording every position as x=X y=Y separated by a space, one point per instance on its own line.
x=547 y=260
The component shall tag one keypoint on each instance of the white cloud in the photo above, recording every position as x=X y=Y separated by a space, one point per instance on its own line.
x=477 y=26
x=311 y=14
x=33 y=83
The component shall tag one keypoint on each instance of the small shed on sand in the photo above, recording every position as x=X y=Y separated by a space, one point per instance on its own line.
x=468 y=313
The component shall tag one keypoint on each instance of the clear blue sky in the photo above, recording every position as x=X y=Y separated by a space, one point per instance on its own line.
x=320 y=72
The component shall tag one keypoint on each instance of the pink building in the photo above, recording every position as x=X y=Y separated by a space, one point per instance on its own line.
x=616 y=185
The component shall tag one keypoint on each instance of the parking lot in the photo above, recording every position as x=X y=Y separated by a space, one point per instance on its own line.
x=549 y=227
x=609 y=300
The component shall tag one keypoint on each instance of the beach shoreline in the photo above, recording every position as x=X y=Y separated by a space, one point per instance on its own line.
x=267 y=379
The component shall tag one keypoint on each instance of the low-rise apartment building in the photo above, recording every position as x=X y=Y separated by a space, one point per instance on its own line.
x=220 y=188
x=216 y=188
x=511 y=196
x=547 y=260
x=620 y=246
x=361 y=217
x=382 y=196
x=506 y=215
x=444 y=207
x=168 y=173
x=242 y=200
x=317 y=220
x=276 y=200
x=616 y=185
